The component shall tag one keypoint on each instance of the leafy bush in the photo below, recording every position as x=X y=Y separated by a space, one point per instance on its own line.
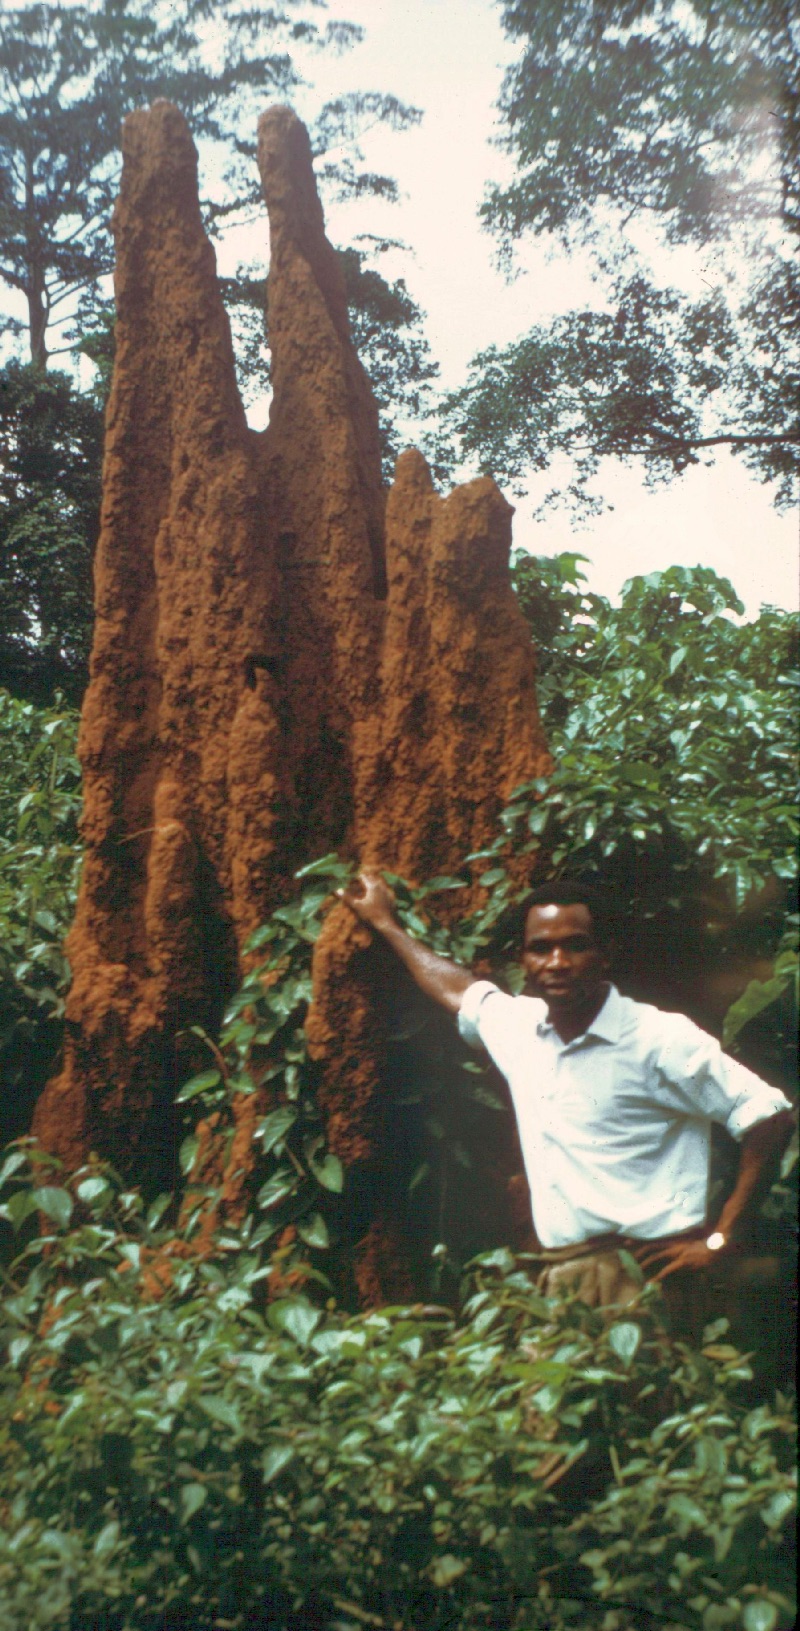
x=39 y=867
x=672 y=726
x=185 y=1443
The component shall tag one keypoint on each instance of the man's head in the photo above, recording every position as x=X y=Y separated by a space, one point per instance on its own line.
x=566 y=946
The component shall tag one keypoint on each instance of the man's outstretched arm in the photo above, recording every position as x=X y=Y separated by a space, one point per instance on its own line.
x=372 y=900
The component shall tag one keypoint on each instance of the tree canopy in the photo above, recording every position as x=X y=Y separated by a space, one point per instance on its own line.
x=68 y=76
x=684 y=117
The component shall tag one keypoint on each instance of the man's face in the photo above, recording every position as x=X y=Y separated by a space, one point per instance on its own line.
x=561 y=959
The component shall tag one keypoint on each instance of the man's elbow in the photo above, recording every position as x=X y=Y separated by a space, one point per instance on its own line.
x=773 y=1135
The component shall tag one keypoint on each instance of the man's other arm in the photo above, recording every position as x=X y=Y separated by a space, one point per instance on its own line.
x=761 y=1148
x=372 y=900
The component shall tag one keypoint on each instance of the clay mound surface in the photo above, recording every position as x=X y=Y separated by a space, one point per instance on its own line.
x=286 y=660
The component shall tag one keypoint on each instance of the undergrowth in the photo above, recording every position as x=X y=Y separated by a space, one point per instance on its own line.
x=185 y=1445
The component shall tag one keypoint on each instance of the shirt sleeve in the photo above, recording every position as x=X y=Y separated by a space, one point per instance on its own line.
x=700 y=1079
x=489 y=1018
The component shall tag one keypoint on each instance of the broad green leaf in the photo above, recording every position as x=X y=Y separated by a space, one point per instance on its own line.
x=55 y=1203
x=193 y=1496
x=327 y=866
x=106 y=1542
x=92 y=1189
x=328 y=1171
x=275 y=1126
x=188 y=1152
x=778 y=1507
x=295 y=1316
x=198 y=1084
x=624 y=1338
x=220 y=1410
x=274 y=1460
x=314 y=1231
x=20 y=1206
x=12 y=1164
x=438 y=885
x=759 y=1615
x=276 y=1189
x=156 y=1211
x=259 y=937
x=447 y=1568
x=757 y=996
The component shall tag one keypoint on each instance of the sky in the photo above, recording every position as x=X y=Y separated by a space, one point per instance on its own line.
x=446 y=57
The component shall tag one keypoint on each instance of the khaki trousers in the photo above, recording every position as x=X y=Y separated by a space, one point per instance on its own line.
x=594 y=1271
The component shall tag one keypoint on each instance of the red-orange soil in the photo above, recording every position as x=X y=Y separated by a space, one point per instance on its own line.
x=286 y=660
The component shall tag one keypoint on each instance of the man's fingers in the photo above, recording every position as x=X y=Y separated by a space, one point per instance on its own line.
x=647 y=1259
x=669 y=1268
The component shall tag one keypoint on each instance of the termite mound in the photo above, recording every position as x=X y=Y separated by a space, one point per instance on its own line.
x=287 y=660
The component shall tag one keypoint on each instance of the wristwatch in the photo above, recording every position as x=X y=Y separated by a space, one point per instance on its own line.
x=716 y=1241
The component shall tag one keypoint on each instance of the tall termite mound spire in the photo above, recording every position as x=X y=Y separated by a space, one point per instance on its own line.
x=286 y=659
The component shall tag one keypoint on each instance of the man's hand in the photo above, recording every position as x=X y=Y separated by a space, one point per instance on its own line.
x=371 y=899
x=677 y=1254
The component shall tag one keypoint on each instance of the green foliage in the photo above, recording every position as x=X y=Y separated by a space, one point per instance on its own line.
x=194 y=1434
x=672 y=726
x=670 y=111
x=444 y=1107
x=684 y=118
x=262 y=1045
x=39 y=865
x=51 y=442
x=183 y=1443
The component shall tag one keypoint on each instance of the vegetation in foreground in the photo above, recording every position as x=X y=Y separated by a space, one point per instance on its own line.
x=206 y=1442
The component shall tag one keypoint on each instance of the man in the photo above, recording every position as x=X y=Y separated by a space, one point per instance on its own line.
x=614 y=1099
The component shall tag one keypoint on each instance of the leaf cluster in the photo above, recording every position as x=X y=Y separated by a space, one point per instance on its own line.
x=69 y=75
x=648 y=375
x=671 y=723
x=649 y=105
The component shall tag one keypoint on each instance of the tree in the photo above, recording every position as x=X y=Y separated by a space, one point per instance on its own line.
x=69 y=74
x=685 y=117
x=51 y=439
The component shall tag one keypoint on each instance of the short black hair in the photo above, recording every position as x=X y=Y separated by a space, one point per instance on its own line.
x=573 y=892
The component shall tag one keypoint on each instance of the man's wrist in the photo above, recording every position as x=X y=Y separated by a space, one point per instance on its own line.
x=385 y=922
x=717 y=1240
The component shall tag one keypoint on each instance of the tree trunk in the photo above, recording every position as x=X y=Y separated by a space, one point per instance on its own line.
x=36 y=291
x=37 y=326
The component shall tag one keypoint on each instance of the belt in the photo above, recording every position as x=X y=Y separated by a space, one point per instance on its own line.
x=608 y=1243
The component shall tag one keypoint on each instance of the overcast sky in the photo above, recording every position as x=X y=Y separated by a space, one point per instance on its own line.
x=446 y=57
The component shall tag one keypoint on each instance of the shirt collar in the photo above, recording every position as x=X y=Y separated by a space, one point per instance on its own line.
x=606 y=1024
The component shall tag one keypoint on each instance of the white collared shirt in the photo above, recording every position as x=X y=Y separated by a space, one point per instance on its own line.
x=615 y=1126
